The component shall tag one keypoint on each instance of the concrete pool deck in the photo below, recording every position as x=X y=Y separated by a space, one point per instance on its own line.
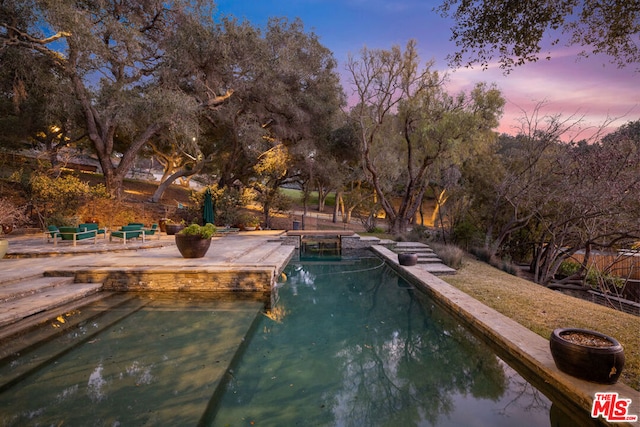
x=37 y=276
x=261 y=256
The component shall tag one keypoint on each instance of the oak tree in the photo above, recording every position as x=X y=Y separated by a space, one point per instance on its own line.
x=410 y=128
x=513 y=32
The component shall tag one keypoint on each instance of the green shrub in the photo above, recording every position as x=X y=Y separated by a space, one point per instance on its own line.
x=204 y=231
x=603 y=281
x=568 y=268
x=419 y=233
x=465 y=233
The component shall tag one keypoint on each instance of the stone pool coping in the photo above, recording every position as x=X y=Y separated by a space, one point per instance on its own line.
x=513 y=342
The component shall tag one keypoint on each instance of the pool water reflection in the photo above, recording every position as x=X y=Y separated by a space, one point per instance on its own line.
x=346 y=343
x=353 y=344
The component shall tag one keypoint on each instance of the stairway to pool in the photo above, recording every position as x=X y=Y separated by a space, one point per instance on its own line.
x=33 y=300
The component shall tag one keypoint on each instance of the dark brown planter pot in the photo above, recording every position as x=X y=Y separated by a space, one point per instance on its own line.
x=408 y=259
x=192 y=246
x=173 y=228
x=600 y=364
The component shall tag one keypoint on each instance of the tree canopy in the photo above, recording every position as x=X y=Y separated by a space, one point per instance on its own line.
x=545 y=200
x=513 y=32
x=410 y=129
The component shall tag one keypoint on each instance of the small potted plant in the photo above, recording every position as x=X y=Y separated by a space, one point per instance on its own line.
x=194 y=241
x=250 y=222
x=162 y=223
x=587 y=354
x=173 y=227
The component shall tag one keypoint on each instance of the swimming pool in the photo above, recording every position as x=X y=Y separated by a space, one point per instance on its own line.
x=346 y=343
x=353 y=344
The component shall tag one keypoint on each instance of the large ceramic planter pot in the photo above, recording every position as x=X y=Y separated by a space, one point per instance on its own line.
x=192 y=246
x=408 y=259
x=586 y=354
x=4 y=247
x=173 y=228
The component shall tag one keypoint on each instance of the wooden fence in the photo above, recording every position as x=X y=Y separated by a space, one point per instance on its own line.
x=624 y=264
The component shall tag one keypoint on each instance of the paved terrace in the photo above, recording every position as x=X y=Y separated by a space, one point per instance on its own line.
x=148 y=263
x=246 y=259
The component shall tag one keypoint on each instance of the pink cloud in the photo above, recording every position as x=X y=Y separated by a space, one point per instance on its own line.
x=580 y=89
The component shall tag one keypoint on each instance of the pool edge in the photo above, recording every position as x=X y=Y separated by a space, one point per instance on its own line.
x=528 y=348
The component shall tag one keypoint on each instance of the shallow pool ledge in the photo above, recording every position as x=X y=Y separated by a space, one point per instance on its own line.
x=515 y=343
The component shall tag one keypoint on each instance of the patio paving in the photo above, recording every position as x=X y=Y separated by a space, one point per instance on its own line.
x=30 y=274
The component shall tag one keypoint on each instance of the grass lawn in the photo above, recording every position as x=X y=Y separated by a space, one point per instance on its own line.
x=296 y=196
x=542 y=310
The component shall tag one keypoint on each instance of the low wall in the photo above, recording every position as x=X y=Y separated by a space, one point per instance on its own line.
x=193 y=280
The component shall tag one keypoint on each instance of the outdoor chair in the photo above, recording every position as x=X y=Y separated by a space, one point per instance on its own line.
x=93 y=227
x=51 y=233
x=74 y=234
x=154 y=230
x=128 y=232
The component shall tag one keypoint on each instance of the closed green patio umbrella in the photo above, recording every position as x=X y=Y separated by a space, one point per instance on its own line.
x=208 y=215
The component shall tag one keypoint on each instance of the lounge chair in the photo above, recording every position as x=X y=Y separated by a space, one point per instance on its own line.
x=128 y=232
x=74 y=234
x=93 y=227
x=51 y=233
x=152 y=231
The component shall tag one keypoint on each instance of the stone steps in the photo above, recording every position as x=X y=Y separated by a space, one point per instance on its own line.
x=426 y=255
x=20 y=300
x=36 y=341
x=30 y=286
x=427 y=258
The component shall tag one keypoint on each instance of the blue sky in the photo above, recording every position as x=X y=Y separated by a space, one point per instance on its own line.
x=593 y=87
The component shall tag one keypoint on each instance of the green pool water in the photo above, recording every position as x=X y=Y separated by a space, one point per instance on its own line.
x=345 y=343
x=352 y=344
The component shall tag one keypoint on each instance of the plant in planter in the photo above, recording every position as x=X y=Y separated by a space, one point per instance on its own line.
x=162 y=223
x=250 y=222
x=173 y=227
x=587 y=354
x=194 y=241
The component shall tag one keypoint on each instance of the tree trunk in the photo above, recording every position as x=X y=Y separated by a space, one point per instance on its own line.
x=157 y=195
x=336 y=207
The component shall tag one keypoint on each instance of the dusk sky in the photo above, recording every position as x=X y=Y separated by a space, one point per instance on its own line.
x=593 y=87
